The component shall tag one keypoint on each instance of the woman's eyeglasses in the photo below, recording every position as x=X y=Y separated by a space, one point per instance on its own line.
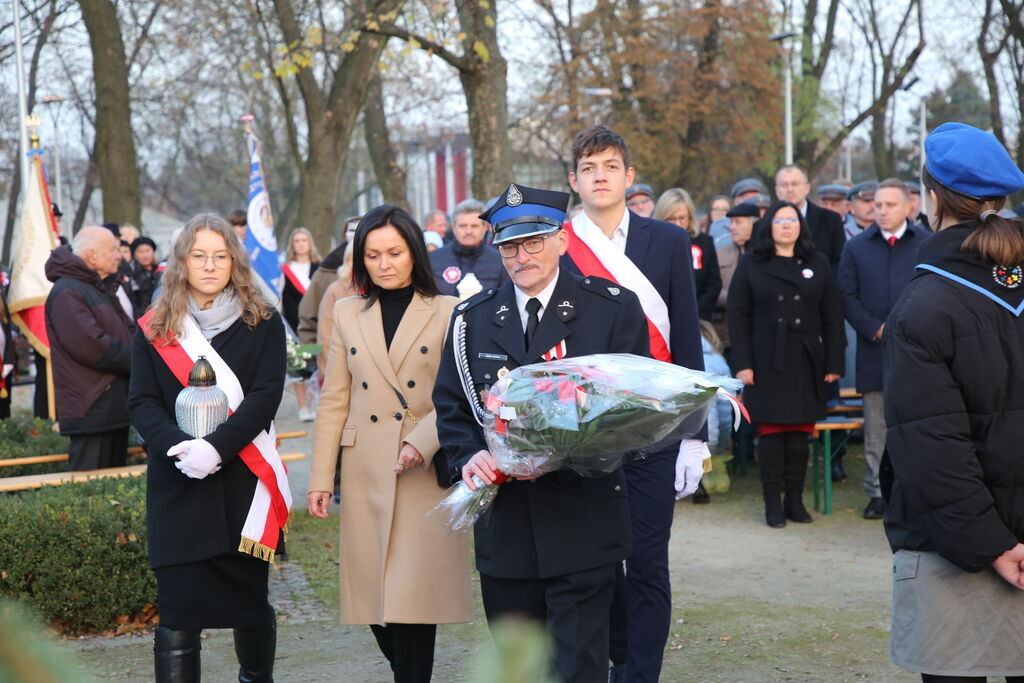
x=784 y=221
x=221 y=259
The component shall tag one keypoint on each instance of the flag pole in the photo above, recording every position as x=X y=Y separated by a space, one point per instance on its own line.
x=22 y=101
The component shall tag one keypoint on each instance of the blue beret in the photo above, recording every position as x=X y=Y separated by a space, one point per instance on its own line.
x=971 y=162
x=525 y=211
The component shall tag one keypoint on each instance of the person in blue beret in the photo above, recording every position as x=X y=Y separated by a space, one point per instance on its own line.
x=953 y=382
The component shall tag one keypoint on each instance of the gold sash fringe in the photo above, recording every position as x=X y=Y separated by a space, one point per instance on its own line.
x=256 y=549
x=707 y=465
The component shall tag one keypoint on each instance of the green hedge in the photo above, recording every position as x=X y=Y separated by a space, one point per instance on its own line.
x=24 y=435
x=76 y=554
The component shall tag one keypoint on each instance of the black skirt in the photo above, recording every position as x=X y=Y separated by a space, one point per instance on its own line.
x=229 y=591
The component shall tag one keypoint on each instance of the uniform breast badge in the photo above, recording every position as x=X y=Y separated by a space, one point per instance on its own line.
x=502 y=372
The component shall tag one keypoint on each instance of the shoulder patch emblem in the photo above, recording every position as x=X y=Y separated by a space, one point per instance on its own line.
x=462 y=306
x=614 y=291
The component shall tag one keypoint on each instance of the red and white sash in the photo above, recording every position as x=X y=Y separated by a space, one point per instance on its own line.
x=295 y=279
x=594 y=254
x=272 y=500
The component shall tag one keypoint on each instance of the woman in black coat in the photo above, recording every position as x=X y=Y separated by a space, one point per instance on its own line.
x=675 y=206
x=785 y=320
x=954 y=403
x=203 y=496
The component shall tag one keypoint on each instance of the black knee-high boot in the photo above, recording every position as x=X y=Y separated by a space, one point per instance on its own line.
x=795 y=471
x=255 y=647
x=770 y=462
x=176 y=656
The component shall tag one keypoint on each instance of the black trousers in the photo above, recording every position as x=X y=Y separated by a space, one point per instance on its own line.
x=40 y=400
x=96 y=451
x=642 y=614
x=409 y=649
x=575 y=609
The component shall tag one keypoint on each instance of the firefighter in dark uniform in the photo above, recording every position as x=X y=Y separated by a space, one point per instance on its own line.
x=549 y=546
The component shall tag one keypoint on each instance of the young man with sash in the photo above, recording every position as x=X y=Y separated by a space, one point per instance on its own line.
x=549 y=547
x=216 y=503
x=653 y=259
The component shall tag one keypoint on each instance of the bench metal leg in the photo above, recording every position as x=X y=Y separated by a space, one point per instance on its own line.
x=827 y=474
x=816 y=457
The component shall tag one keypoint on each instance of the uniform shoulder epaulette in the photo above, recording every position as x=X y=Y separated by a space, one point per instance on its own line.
x=475 y=300
x=606 y=288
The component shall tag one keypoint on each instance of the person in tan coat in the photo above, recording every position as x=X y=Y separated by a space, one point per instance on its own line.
x=341 y=288
x=401 y=573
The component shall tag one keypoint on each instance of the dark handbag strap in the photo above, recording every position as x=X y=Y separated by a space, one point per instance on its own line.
x=440 y=459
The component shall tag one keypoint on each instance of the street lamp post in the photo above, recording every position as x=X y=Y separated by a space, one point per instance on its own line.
x=56 y=99
x=781 y=39
x=22 y=104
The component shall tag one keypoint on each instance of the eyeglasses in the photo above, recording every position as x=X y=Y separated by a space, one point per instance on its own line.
x=531 y=245
x=221 y=260
x=784 y=221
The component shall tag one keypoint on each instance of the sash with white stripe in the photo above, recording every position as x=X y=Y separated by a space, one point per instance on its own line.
x=624 y=272
x=272 y=499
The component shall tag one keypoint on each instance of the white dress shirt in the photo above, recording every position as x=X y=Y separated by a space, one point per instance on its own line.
x=544 y=297
x=621 y=233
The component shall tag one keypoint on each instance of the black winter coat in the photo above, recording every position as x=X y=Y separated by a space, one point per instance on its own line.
x=143 y=283
x=189 y=520
x=826 y=228
x=706 y=275
x=90 y=346
x=452 y=262
x=786 y=324
x=954 y=406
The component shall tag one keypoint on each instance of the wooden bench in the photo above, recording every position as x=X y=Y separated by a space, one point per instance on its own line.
x=35 y=481
x=849 y=392
x=62 y=457
x=821 y=457
x=847 y=406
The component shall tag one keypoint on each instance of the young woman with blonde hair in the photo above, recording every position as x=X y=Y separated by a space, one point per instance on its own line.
x=216 y=503
x=675 y=206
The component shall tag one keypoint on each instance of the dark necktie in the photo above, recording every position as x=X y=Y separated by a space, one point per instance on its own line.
x=532 y=320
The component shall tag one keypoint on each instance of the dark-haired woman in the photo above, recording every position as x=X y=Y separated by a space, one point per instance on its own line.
x=954 y=402
x=785 y=320
x=401 y=573
x=215 y=505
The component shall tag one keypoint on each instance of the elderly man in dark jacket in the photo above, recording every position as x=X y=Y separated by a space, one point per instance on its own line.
x=468 y=255
x=876 y=265
x=90 y=347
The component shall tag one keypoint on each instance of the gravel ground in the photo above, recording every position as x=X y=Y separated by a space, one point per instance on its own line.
x=804 y=603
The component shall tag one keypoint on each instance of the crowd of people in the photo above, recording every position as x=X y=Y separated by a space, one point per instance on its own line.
x=417 y=323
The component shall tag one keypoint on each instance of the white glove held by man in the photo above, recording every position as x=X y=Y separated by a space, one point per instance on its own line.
x=197 y=458
x=690 y=466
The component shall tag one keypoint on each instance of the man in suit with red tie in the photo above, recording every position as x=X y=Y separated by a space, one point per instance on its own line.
x=653 y=259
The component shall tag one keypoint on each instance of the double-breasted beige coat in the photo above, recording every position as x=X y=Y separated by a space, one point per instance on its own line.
x=397 y=566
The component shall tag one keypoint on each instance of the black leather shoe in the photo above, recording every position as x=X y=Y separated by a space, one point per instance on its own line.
x=838 y=473
x=875 y=509
x=773 y=514
x=700 y=496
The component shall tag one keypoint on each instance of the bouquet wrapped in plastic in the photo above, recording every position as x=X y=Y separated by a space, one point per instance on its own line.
x=589 y=415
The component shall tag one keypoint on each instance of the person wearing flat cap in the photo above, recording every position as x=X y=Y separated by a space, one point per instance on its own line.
x=833 y=198
x=742 y=218
x=954 y=391
x=145 y=277
x=745 y=190
x=640 y=199
x=549 y=547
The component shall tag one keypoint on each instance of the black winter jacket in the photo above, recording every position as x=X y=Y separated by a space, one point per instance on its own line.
x=954 y=406
x=786 y=324
x=90 y=346
x=190 y=520
x=453 y=262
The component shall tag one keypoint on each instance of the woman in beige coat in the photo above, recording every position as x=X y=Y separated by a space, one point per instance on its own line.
x=401 y=573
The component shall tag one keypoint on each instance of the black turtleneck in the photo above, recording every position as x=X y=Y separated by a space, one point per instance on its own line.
x=393 y=303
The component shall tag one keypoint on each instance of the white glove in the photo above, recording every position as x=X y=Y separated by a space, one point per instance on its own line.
x=690 y=466
x=197 y=458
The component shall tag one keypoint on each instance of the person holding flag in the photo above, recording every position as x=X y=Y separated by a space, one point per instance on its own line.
x=260 y=242
x=217 y=504
x=37 y=236
x=653 y=259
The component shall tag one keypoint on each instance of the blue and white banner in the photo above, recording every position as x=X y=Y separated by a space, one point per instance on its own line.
x=260 y=242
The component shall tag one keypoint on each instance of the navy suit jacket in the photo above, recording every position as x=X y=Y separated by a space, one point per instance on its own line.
x=871 y=277
x=662 y=253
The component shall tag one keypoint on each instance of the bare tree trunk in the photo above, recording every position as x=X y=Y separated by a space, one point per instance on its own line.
x=988 y=64
x=92 y=180
x=115 y=143
x=390 y=176
x=484 y=83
